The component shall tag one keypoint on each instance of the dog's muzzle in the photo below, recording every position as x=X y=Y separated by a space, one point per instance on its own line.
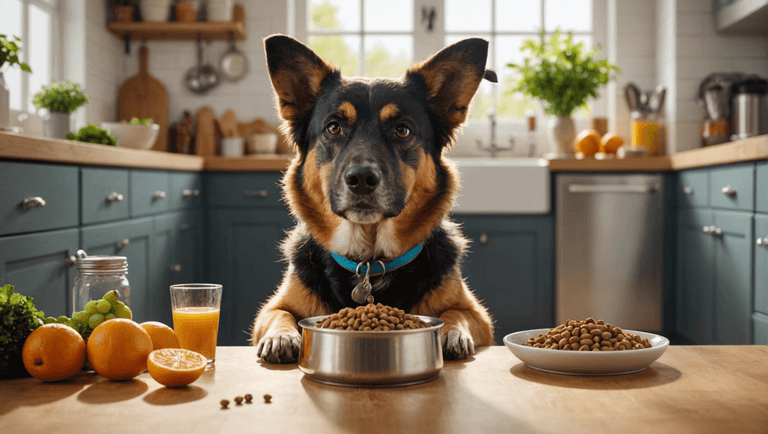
x=362 y=179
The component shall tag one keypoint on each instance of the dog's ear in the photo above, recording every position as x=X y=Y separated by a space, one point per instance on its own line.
x=452 y=77
x=296 y=73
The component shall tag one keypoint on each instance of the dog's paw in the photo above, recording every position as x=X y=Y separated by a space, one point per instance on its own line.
x=279 y=347
x=457 y=345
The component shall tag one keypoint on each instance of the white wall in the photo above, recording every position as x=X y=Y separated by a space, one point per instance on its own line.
x=103 y=66
x=250 y=97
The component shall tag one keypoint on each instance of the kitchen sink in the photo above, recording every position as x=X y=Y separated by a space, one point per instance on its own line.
x=503 y=186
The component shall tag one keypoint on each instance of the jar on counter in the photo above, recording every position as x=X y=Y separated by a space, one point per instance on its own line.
x=98 y=275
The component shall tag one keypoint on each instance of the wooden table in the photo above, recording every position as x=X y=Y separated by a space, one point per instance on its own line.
x=697 y=389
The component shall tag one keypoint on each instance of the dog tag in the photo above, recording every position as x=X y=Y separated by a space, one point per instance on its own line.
x=363 y=289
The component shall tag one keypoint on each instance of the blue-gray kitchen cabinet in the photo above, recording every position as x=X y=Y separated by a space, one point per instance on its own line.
x=761 y=187
x=37 y=266
x=760 y=332
x=245 y=258
x=510 y=267
x=732 y=187
x=185 y=191
x=104 y=195
x=149 y=192
x=761 y=263
x=132 y=239
x=177 y=255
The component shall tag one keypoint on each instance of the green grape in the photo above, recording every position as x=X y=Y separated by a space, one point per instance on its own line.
x=120 y=304
x=50 y=320
x=62 y=319
x=112 y=297
x=95 y=320
x=124 y=312
x=109 y=316
x=71 y=323
x=81 y=317
x=90 y=307
x=103 y=306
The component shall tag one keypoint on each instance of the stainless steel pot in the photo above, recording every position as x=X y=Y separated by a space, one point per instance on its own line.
x=370 y=359
x=750 y=109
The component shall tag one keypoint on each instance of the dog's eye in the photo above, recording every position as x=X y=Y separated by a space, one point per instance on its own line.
x=402 y=132
x=333 y=128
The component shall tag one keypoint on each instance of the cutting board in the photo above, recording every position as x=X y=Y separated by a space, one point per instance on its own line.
x=205 y=138
x=143 y=96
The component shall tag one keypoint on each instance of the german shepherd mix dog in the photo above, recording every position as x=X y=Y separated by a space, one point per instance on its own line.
x=371 y=191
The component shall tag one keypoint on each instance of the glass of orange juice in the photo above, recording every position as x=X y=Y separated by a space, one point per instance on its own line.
x=196 y=309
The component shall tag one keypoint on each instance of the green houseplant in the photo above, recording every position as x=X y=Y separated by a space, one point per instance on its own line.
x=9 y=56
x=61 y=99
x=93 y=134
x=563 y=75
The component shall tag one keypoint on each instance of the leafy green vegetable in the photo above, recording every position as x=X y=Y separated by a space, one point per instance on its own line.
x=9 y=53
x=561 y=73
x=18 y=318
x=93 y=134
x=137 y=121
x=63 y=96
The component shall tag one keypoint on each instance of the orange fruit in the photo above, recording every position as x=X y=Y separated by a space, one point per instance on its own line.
x=610 y=143
x=162 y=336
x=118 y=349
x=175 y=367
x=587 y=142
x=53 y=352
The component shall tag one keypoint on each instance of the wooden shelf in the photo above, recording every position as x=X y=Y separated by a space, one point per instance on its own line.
x=144 y=31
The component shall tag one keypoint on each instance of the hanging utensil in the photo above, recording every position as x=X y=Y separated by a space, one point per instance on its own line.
x=233 y=63
x=192 y=79
x=632 y=94
x=208 y=74
x=656 y=102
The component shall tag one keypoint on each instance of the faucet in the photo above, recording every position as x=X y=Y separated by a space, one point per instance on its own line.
x=493 y=148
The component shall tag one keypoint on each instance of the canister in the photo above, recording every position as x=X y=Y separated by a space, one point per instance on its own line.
x=98 y=275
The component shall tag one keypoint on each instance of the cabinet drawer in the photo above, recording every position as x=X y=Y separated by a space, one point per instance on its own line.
x=693 y=188
x=244 y=189
x=761 y=263
x=104 y=195
x=761 y=185
x=760 y=324
x=149 y=192
x=733 y=187
x=185 y=191
x=21 y=183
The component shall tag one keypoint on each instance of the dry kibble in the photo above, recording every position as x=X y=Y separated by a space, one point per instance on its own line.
x=248 y=397
x=380 y=318
x=238 y=400
x=588 y=335
x=267 y=398
x=224 y=403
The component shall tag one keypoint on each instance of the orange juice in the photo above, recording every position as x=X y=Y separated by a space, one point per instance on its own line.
x=197 y=329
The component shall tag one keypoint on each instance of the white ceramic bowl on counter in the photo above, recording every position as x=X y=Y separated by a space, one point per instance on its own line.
x=133 y=136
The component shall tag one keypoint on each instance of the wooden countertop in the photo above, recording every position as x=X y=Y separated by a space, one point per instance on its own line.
x=689 y=389
x=20 y=147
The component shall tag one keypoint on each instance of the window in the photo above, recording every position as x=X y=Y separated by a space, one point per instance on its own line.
x=34 y=21
x=382 y=38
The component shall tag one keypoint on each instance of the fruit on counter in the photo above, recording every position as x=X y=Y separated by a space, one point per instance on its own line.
x=175 y=367
x=587 y=142
x=118 y=349
x=96 y=312
x=162 y=336
x=53 y=352
x=18 y=319
x=610 y=143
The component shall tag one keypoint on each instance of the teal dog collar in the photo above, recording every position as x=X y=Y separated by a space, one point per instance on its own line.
x=379 y=267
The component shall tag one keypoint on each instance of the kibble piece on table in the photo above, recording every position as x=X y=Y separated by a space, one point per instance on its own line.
x=267 y=398
x=224 y=403
x=248 y=397
x=238 y=400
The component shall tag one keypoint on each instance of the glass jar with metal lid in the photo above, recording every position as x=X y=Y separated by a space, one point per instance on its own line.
x=98 y=275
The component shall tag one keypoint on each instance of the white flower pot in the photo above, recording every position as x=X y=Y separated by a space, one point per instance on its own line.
x=562 y=133
x=219 y=10
x=57 y=125
x=156 y=10
x=5 y=103
x=232 y=146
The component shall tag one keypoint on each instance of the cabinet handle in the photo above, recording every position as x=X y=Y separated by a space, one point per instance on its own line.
x=158 y=195
x=256 y=193
x=72 y=260
x=483 y=238
x=762 y=241
x=115 y=197
x=185 y=227
x=33 y=202
x=188 y=193
x=175 y=268
x=730 y=191
x=121 y=245
x=687 y=190
x=611 y=188
x=708 y=229
x=717 y=232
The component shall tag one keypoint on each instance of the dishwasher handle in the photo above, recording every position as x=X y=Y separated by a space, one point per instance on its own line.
x=611 y=188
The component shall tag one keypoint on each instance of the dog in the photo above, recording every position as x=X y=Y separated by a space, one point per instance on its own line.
x=371 y=190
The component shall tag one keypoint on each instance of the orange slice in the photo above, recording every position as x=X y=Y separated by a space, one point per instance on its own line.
x=175 y=367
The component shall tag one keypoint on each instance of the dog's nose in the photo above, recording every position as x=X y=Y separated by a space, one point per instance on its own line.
x=363 y=179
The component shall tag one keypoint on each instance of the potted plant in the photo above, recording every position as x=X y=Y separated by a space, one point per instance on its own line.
x=61 y=99
x=123 y=10
x=563 y=75
x=9 y=56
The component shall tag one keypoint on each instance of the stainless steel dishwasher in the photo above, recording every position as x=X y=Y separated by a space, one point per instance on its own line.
x=609 y=249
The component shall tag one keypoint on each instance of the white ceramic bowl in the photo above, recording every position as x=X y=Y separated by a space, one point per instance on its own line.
x=585 y=362
x=232 y=146
x=262 y=143
x=133 y=136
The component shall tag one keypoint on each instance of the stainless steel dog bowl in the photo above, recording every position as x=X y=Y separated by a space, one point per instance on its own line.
x=370 y=359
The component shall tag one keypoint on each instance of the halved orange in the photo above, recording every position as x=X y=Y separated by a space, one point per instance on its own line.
x=175 y=367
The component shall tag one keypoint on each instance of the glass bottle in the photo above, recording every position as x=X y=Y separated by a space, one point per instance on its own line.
x=98 y=275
